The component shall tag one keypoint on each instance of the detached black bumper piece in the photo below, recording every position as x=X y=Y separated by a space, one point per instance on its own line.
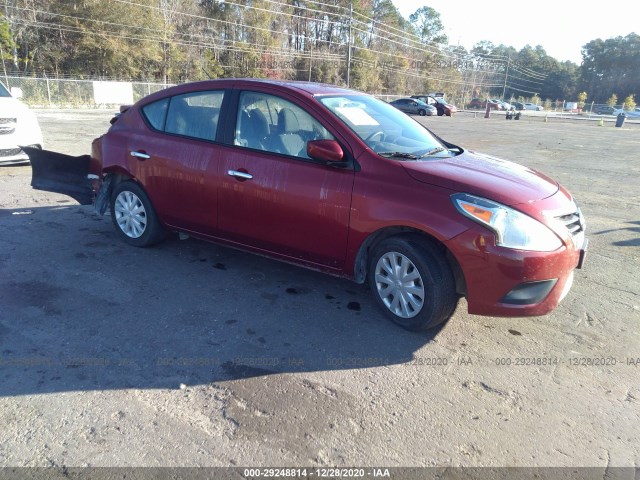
x=60 y=173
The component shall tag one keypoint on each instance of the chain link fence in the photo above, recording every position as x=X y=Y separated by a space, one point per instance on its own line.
x=71 y=93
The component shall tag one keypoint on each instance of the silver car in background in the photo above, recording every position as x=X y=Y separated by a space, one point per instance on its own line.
x=414 y=106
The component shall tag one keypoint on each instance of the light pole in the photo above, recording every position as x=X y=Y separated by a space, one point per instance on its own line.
x=506 y=73
x=349 y=45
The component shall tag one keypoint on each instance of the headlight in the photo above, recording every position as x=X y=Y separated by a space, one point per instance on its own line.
x=512 y=228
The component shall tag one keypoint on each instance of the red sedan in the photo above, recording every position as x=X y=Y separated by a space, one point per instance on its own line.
x=478 y=103
x=334 y=180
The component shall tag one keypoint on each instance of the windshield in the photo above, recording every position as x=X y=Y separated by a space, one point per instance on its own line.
x=384 y=128
x=3 y=91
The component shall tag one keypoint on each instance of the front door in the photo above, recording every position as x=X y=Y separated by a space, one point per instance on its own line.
x=272 y=195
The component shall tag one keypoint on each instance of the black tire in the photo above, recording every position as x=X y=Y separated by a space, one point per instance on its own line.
x=436 y=280
x=422 y=112
x=440 y=112
x=142 y=227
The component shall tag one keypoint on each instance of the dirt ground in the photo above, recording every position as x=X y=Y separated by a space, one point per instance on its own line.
x=192 y=354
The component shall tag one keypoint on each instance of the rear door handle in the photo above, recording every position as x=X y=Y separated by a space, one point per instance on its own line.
x=242 y=175
x=141 y=155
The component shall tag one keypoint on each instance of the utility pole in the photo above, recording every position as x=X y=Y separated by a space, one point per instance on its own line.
x=349 y=45
x=506 y=73
x=310 y=58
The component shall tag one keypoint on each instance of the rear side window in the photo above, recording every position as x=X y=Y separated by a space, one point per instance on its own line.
x=156 y=112
x=195 y=114
x=192 y=115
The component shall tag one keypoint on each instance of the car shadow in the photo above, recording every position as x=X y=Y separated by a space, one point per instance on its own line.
x=84 y=311
x=634 y=242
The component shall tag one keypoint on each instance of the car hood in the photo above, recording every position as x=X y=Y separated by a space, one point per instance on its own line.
x=489 y=177
x=11 y=107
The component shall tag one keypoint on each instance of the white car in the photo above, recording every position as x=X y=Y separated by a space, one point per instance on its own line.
x=635 y=113
x=533 y=106
x=18 y=127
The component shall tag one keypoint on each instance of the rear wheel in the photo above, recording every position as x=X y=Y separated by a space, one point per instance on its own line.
x=133 y=215
x=412 y=282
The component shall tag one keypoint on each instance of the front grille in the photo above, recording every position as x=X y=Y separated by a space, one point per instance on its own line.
x=575 y=224
x=572 y=222
x=7 y=125
x=10 y=152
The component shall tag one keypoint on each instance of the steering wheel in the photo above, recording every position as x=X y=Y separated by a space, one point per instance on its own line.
x=373 y=135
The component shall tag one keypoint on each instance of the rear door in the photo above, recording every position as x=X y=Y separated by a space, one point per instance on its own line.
x=177 y=158
x=273 y=197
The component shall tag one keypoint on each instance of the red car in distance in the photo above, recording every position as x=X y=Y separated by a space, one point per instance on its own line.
x=477 y=103
x=442 y=107
x=334 y=180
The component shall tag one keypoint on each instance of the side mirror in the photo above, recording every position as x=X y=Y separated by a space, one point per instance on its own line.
x=328 y=151
x=16 y=92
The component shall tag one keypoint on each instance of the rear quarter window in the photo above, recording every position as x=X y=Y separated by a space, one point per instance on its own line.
x=156 y=113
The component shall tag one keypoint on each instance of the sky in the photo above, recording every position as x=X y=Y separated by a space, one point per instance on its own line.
x=560 y=26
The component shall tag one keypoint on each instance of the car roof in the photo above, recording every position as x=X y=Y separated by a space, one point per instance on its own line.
x=309 y=88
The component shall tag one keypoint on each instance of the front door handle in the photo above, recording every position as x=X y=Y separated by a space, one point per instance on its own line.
x=242 y=175
x=141 y=155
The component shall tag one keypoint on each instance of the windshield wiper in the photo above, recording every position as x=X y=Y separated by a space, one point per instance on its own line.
x=432 y=152
x=410 y=156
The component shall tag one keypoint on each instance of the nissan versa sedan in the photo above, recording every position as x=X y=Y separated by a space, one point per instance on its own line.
x=334 y=180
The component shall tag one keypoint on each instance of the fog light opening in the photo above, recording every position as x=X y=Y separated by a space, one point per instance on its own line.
x=529 y=293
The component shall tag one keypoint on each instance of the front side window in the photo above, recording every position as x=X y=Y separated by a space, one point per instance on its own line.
x=273 y=124
x=385 y=129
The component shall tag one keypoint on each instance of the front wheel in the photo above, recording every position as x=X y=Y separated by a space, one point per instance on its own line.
x=422 y=112
x=412 y=282
x=133 y=215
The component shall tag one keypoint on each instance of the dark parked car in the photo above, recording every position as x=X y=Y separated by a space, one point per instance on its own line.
x=603 y=110
x=414 y=106
x=337 y=181
x=443 y=107
x=519 y=105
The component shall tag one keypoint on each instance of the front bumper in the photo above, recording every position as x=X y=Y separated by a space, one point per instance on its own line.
x=513 y=283
x=13 y=154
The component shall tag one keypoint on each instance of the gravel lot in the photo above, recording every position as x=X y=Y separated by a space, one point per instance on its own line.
x=192 y=354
